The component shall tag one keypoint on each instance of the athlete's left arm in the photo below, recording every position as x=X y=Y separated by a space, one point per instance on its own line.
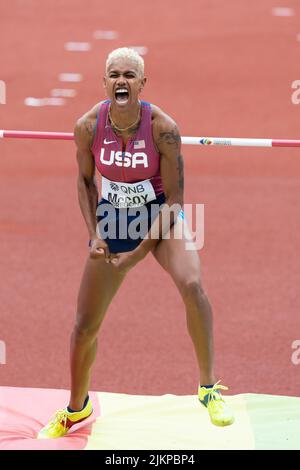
x=168 y=141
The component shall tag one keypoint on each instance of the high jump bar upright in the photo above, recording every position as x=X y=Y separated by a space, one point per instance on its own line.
x=225 y=141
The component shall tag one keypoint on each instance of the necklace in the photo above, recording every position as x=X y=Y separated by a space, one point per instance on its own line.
x=125 y=128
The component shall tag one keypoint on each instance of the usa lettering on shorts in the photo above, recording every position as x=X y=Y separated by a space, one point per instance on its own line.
x=123 y=195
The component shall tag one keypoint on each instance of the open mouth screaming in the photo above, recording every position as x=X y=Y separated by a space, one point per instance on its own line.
x=121 y=95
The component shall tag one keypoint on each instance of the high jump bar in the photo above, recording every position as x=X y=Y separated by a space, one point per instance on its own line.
x=225 y=141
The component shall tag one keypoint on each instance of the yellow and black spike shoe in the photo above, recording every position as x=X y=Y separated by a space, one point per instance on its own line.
x=219 y=412
x=63 y=420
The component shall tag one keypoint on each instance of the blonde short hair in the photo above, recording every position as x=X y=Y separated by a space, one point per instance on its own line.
x=126 y=53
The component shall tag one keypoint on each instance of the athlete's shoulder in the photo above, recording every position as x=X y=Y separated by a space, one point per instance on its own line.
x=163 y=126
x=85 y=126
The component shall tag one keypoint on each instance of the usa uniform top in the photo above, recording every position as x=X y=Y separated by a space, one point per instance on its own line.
x=138 y=161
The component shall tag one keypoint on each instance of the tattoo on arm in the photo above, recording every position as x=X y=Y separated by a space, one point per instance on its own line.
x=89 y=128
x=173 y=138
x=170 y=138
x=180 y=171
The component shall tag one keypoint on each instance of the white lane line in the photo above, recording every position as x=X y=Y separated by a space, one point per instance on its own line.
x=77 y=46
x=36 y=102
x=70 y=77
x=2 y=92
x=283 y=11
x=65 y=92
x=108 y=35
x=142 y=50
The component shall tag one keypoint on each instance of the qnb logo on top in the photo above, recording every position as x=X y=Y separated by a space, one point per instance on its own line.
x=114 y=186
x=125 y=159
x=127 y=194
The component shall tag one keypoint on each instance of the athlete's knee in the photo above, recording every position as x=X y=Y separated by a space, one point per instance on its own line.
x=192 y=289
x=85 y=331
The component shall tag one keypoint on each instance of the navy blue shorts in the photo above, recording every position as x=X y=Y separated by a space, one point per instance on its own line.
x=115 y=226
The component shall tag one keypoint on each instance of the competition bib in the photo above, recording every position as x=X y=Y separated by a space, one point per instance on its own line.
x=123 y=195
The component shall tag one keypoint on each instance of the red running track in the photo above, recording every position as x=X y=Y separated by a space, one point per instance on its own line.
x=218 y=69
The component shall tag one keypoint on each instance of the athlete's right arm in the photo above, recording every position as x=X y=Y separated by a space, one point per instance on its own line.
x=87 y=184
